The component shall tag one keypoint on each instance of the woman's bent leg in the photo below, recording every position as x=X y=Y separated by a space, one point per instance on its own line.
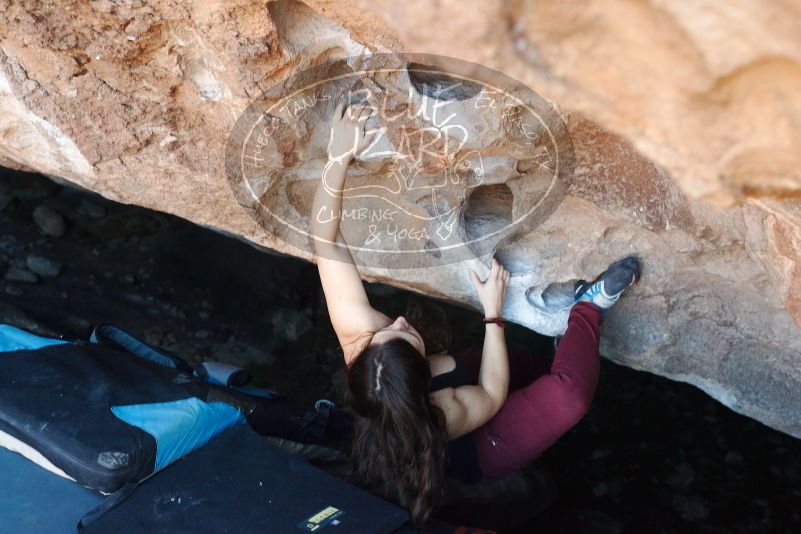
x=534 y=417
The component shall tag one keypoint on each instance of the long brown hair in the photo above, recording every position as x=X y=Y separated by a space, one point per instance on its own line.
x=399 y=437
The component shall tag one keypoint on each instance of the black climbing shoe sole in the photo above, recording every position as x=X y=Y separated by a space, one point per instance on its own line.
x=617 y=277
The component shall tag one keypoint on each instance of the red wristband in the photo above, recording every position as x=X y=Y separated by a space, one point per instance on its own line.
x=496 y=320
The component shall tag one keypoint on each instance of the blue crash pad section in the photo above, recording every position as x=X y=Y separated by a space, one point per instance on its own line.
x=13 y=338
x=35 y=501
x=179 y=427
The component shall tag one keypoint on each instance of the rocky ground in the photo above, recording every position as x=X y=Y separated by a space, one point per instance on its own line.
x=652 y=455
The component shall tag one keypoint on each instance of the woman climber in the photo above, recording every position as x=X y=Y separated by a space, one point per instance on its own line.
x=476 y=417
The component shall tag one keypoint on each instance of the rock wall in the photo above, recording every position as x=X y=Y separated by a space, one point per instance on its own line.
x=673 y=111
x=709 y=91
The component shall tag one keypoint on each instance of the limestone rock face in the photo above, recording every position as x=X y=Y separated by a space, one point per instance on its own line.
x=672 y=111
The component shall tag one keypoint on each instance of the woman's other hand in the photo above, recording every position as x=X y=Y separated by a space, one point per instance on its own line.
x=492 y=291
x=348 y=136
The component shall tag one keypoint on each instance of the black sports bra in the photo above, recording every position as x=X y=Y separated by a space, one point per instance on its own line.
x=462 y=457
x=456 y=377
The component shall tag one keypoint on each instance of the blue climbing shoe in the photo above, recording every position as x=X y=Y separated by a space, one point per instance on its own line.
x=605 y=290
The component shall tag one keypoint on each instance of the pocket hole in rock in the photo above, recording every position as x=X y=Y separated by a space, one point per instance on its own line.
x=487 y=210
x=556 y=297
x=433 y=83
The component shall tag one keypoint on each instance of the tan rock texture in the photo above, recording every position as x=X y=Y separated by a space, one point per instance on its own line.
x=708 y=90
x=675 y=110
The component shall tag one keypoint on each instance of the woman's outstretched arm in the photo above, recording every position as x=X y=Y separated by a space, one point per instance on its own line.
x=348 y=306
x=469 y=407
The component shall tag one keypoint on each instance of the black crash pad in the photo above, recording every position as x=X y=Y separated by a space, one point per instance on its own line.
x=240 y=483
